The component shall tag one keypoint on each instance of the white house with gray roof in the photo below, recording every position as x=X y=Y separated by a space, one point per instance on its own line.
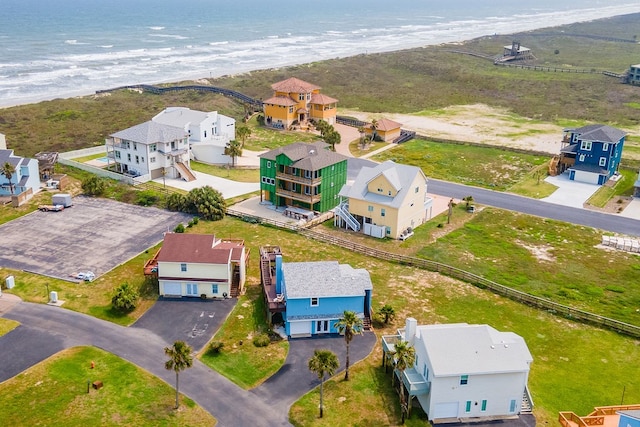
x=151 y=149
x=387 y=200
x=465 y=372
x=209 y=132
x=318 y=293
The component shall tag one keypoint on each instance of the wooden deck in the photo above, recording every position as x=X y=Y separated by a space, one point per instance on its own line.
x=275 y=303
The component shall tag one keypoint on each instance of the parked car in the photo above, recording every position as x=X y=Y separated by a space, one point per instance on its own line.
x=51 y=208
x=87 y=276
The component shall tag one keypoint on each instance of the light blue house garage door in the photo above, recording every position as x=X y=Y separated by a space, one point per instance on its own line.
x=445 y=410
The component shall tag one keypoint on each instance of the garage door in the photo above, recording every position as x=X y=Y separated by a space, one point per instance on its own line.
x=445 y=410
x=588 y=177
x=172 y=289
x=300 y=329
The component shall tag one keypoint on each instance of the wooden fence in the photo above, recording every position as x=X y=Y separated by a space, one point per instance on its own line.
x=456 y=273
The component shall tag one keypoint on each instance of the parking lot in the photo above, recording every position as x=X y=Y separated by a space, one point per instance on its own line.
x=93 y=235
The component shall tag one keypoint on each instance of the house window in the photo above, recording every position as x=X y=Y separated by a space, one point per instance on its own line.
x=291 y=109
x=605 y=146
x=152 y=159
x=582 y=157
x=301 y=97
x=128 y=157
x=383 y=212
x=183 y=267
x=153 y=147
x=379 y=190
x=417 y=189
x=269 y=164
x=314 y=302
x=416 y=362
x=142 y=159
x=308 y=174
x=484 y=405
x=307 y=190
x=332 y=167
x=214 y=288
x=585 y=145
x=425 y=372
x=603 y=161
x=389 y=192
x=370 y=208
x=512 y=406
x=467 y=407
x=322 y=326
x=464 y=379
x=135 y=146
x=138 y=159
x=388 y=230
x=117 y=154
x=192 y=289
x=205 y=133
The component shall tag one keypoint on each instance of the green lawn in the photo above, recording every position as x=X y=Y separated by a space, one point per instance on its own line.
x=54 y=392
x=234 y=174
x=465 y=163
x=263 y=138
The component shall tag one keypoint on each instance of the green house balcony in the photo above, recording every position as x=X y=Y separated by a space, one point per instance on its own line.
x=312 y=182
x=306 y=198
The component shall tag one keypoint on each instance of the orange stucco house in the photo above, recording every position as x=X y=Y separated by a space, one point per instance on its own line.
x=386 y=129
x=296 y=101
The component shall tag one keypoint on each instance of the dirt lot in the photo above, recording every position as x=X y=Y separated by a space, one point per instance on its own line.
x=94 y=234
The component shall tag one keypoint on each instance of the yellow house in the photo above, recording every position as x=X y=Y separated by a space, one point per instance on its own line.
x=296 y=101
x=385 y=129
x=388 y=200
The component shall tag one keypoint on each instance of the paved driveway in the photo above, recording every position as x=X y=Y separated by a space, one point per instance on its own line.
x=191 y=320
x=569 y=193
x=94 y=234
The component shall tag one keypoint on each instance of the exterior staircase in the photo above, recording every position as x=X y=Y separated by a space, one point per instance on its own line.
x=342 y=211
x=527 y=402
x=185 y=172
x=366 y=323
x=265 y=272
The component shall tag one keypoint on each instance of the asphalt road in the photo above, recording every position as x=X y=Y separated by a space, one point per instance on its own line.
x=599 y=220
x=45 y=330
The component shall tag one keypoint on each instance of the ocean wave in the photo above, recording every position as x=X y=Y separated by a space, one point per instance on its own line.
x=156 y=28
x=169 y=36
x=74 y=42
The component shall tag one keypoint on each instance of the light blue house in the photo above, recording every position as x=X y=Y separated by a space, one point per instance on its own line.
x=592 y=153
x=629 y=418
x=314 y=295
x=25 y=177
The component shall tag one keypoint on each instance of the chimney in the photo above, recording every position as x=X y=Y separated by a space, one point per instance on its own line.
x=278 y=274
x=410 y=329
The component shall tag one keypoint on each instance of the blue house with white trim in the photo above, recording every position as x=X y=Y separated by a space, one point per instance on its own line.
x=25 y=177
x=592 y=153
x=312 y=296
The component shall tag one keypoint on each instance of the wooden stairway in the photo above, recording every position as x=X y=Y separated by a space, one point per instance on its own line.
x=185 y=172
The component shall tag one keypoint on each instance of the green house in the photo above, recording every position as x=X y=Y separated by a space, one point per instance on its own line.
x=305 y=175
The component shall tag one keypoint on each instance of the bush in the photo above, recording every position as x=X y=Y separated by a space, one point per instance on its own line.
x=262 y=340
x=146 y=198
x=176 y=202
x=207 y=202
x=215 y=347
x=125 y=298
x=93 y=186
x=179 y=228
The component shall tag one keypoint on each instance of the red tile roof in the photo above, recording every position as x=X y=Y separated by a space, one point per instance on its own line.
x=280 y=100
x=318 y=98
x=294 y=85
x=387 y=125
x=194 y=248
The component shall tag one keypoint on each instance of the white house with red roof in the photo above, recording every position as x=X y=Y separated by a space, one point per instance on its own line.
x=199 y=265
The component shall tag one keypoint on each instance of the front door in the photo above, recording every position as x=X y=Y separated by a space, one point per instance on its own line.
x=192 y=289
x=322 y=326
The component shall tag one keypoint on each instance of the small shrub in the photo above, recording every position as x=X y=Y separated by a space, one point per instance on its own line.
x=146 y=198
x=179 y=228
x=261 y=340
x=440 y=225
x=125 y=298
x=94 y=186
x=215 y=348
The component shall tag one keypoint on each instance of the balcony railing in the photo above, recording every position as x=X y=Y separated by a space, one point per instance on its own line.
x=307 y=198
x=298 y=179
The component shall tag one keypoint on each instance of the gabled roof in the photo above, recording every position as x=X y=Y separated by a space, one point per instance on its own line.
x=151 y=132
x=323 y=279
x=305 y=156
x=7 y=156
x=181 y=116
x=399 y=176
x=599 y=133
x=462 y=349
x=294 y=85
x=318 y=98
x=194 y=248
x=280 y=100
x=387 y=125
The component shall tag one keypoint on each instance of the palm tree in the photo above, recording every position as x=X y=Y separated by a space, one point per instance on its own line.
x=363 y=133
x=349 y=325
x=332 y=137
x=243 y=132
x=374 y=127
x=323 y=362
x=179 y=359
x=388 y=312
x=8 y=170
x=404 y=356
x=233 y=150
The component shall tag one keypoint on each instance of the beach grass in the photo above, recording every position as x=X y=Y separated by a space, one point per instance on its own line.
x=56 y=391
x=239 y=174
x=7 y=325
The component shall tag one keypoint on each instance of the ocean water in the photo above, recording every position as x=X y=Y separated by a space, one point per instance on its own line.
x=61 y=48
